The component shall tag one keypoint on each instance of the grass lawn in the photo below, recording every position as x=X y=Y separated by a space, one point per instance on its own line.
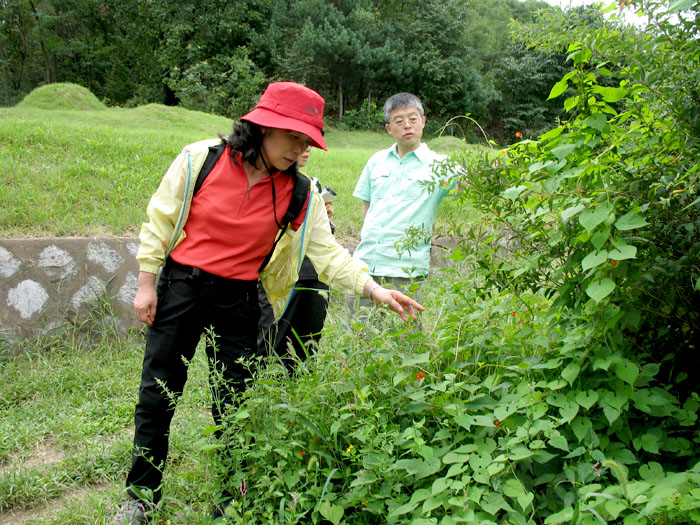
x=88 y=172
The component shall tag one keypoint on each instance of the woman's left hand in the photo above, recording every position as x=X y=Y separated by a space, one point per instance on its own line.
x=397 y=302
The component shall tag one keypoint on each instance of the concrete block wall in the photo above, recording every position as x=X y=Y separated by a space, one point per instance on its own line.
x=45 y=283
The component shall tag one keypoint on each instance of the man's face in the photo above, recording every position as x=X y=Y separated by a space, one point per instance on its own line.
x=406 y=126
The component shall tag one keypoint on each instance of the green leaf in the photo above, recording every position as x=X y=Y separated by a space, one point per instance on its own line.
x=587 y=399
x=612 y=403
x=415 y=359
x=570 y=373
x=513 y=489
x=400 y=376
x=568 y=412
x=520 y=452
x=563 y=516
x=592 y=217
x=594 y=259
x=681 y=5
x=581 y=426
x=291 y=478
x=335 y=426
x=571 y=102
x=622 y=252
x=652 y=472
x=570 y=212
x=610 y=94
x=647 y=442
x=627 y=371
x=433 y=502
x=559 y=442
x=464 y=420
x=597 y=121
x=561 y=152
x=599 y=239
x=558 y=89
x=599 y=290
x=513 y=193
x=552 y=133
x=439 y=485
x=630 y=221
x=333 y=513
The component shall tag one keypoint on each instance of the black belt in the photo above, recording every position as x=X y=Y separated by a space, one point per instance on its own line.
x=175 y=270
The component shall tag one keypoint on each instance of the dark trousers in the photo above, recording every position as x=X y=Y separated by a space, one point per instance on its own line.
x=300 y=325
x=189 y=302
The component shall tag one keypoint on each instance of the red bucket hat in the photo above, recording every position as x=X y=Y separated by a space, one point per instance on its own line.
x=288 y=105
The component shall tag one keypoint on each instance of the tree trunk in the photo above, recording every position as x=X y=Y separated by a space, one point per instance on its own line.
x=47 y=63
x=6 y=74
x=340 y=100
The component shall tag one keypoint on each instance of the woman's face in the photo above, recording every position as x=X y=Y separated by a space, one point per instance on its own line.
x=304 y=157
x=282 y=148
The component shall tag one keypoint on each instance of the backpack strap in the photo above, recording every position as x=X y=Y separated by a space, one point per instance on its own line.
x=300 y=193
x=213 y=156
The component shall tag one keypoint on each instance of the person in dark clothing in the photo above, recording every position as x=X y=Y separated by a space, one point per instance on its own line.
x=299 y=329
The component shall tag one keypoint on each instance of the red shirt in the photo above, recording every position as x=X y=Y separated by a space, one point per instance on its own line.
x=231 y=228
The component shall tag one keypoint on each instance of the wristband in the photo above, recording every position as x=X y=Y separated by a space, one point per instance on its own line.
x=372 y=289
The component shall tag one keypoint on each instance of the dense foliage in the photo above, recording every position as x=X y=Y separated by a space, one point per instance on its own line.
x=557 y=384
x=217 y=56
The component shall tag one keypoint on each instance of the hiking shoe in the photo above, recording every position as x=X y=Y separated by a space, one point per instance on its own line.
x=132 y=512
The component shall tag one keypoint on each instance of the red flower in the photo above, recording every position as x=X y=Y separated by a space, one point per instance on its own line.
x=302 y=453
x=613 y=263
x=497 y=422
x=420 y=375
x=517 y=134
x=512 y=314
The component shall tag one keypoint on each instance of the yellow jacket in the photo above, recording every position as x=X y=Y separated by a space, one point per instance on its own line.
x=169 y=208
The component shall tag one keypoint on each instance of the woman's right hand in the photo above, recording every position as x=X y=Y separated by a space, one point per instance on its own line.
x=146 y=298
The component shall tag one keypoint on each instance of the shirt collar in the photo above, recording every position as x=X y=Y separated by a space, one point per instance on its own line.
x=422 y=152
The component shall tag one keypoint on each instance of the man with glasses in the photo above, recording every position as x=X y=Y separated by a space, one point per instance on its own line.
x=398 y=200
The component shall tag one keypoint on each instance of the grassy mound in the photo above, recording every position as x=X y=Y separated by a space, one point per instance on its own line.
x=62 y=96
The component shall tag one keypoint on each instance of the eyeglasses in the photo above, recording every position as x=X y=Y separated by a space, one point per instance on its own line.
x=413 y=120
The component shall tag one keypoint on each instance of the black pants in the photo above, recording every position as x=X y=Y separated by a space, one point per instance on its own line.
x=301 y=324
x=189 y=302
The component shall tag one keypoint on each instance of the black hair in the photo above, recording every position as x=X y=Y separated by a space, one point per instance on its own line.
x=247 y=138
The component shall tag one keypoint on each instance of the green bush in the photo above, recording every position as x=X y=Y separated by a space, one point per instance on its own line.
x=554 y=383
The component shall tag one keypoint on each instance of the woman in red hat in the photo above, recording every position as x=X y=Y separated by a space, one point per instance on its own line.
x=211 y=241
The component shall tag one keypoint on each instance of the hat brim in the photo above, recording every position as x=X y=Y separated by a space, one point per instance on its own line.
x=270 y=119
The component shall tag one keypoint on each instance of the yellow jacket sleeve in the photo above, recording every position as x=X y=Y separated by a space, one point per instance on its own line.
x=169 y=206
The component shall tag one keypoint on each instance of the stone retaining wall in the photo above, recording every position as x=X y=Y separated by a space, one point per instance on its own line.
x=45 y=283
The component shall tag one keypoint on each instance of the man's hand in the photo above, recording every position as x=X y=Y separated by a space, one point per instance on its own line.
x=395 y=300
x=146 y=298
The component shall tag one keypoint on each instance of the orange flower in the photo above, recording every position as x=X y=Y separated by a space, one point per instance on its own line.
x=518 y=134
x=497 y=422
x=420 y=375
